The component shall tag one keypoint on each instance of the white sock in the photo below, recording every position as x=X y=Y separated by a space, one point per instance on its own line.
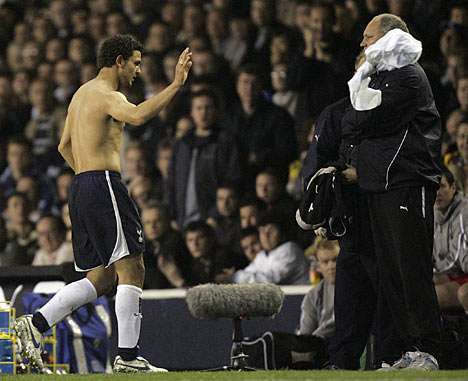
x=127 y=310
x=67 y=300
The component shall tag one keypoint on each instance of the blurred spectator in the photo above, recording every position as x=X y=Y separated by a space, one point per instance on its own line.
x=250 y=210
x=15 y=47
x=136 y=163
x=139 y=14
x=97 y=28
x=208 y=260
x=280 y=262
x=317 y=310
x=457 y=162
x=80 y=51
x=21 y=235
x=203 y=159
x=159 y=39
x=55 y=50
x=62 y=186
x=10 y=122
x=193 y=24
x=53 y=247
x=116 y=23
x=59 y=13
x=166 y=257
x=38 y=204
x=141 y=191
x=66 y=81
x=282 y=96
x=264 y=131
x=250 y=243
x=65 y=214
x=183 y=127
x=171 y=14
x=217 y=30
x=237 y=44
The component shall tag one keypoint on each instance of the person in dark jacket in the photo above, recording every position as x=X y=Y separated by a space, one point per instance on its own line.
x=205 y=158
x=398 y=169
x=264 y=132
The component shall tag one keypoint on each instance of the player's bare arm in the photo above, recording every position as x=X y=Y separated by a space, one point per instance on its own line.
x=65 y=146
x=119 y=108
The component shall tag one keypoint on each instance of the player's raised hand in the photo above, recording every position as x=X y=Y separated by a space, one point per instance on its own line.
x=183 y=67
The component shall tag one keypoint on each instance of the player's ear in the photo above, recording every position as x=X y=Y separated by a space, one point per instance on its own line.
x=120 y=61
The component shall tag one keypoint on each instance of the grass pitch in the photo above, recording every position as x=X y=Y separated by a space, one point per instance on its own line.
x=461 y=375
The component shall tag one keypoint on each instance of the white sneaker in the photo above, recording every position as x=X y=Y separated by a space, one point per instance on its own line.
x=139 y=365
x=423 y=361
x=29 y=339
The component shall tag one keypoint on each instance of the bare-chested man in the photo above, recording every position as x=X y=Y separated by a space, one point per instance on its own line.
x=107 y=233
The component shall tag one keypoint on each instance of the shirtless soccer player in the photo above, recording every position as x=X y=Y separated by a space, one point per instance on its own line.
x=107 y=232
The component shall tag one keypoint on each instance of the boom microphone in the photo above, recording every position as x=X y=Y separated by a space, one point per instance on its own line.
x=213 y=301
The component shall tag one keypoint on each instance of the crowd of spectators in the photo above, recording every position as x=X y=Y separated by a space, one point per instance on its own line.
x=216 y=175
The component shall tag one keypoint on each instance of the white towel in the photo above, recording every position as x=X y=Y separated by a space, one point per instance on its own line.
x=394 y=50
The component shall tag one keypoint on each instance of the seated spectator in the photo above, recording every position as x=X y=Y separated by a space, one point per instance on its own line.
x=280 y=262
x=208 y=259
x=225 y=220
x=250 y=243
x=135 y=162
x=317 y=310
x=65 y=214
x=38 y=204
x=457 y=162
x=141 y=191
x=53 y=247
x=250 y=210
x=62 y=186
x=451 y=245
x=21 y=236
x=282 y=96
x=166 y=257
x=203 y=159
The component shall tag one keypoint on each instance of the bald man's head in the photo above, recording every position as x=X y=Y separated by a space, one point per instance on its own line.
x=379 y=26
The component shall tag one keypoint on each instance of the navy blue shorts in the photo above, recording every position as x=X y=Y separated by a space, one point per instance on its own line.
x=106 y=225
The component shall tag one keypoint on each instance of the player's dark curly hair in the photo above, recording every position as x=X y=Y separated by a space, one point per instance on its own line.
x=120 y=44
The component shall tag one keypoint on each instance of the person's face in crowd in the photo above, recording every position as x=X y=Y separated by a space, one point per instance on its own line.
x=194 y=20
x=163 y=161
x=59 y=14
x=30 y=55
x=65 y=213
x=14 y=57
x=88 y=72
x=462 y=141
x=42 y=30
x=251 y=246
x=248 y=216
x=216 y=25
x=45 y=71
x=171 y=14
x=203 y=112
x=135 y=163
x=450 y=41
x=239 y=29
x=97 y=27
x=453 y=121
x=80 y=22
x=30 y=188
x=21 y=84
x=64 y=73
x=18 y=157
x=141 y=191
x=260 y=14
x=279 y=49
x=183 y=126
x=100 y=7
x=48 y=236
x=270 y=236
x=21 y=33
x=133 y=7
x=374 y=6
x=129 y=69
x=400 y=8
x=301 y=16
x=55 y=50
x=327 y=263
x=459 y=16
x=371 y=34
x=226 y=202
x=267 y=188
x=198 y=44
x=116 y=24
x=321 y=22
x=445 y=194
x=197 y=243
x=248 y=88
x=17 y=210
x=278 y=77
x=155 y=224
x=39 y=95
x=79 y=51
x=169 y=64
x=63 y=186
x=204 y=62
x=159 y=38
x=462 y=93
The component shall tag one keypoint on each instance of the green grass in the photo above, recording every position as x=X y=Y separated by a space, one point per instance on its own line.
x=461 y=375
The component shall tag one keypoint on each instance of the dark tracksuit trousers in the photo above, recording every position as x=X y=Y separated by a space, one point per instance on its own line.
x=401 y=222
